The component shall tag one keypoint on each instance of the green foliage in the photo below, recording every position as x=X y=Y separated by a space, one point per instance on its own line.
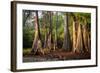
x=26 y=51
x=27 y=37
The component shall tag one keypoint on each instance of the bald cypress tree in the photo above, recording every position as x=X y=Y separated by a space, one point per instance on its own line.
x=36 y=41
x=75 y=29
x=77 y=34
x=79 y=42
x=49 y=34
x=67 y=40
x=86 y=38
x=44 y=20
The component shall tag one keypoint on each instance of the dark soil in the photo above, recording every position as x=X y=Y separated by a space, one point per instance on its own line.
x=57 y=55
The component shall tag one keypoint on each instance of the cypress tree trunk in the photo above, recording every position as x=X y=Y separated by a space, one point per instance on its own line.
x=77 y=36
x=79 y=44
x=45 y=29
x=36 y=41
x=86 y=38
x=67 y=40
x=89 y=43
x=55 y=39
x=49 y=44
x=74 y=37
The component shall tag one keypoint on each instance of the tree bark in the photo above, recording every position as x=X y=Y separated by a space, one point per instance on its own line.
x=37 y=34
x=79 y=42
x=75 y=32
x=50 y=31
x=67 y=40
x=86 y=38
x=74 y=37
x=55 y=40
x=45 y=29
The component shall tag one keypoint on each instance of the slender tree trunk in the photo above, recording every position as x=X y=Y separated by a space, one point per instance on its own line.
x=74 y=37
x=37 y=34
x=45 y=29
x=89 y=43
x=75 y=33
x=86 y=38
x=67 y=40
x=55 y=38
x=50 y=31
x=79 y=42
